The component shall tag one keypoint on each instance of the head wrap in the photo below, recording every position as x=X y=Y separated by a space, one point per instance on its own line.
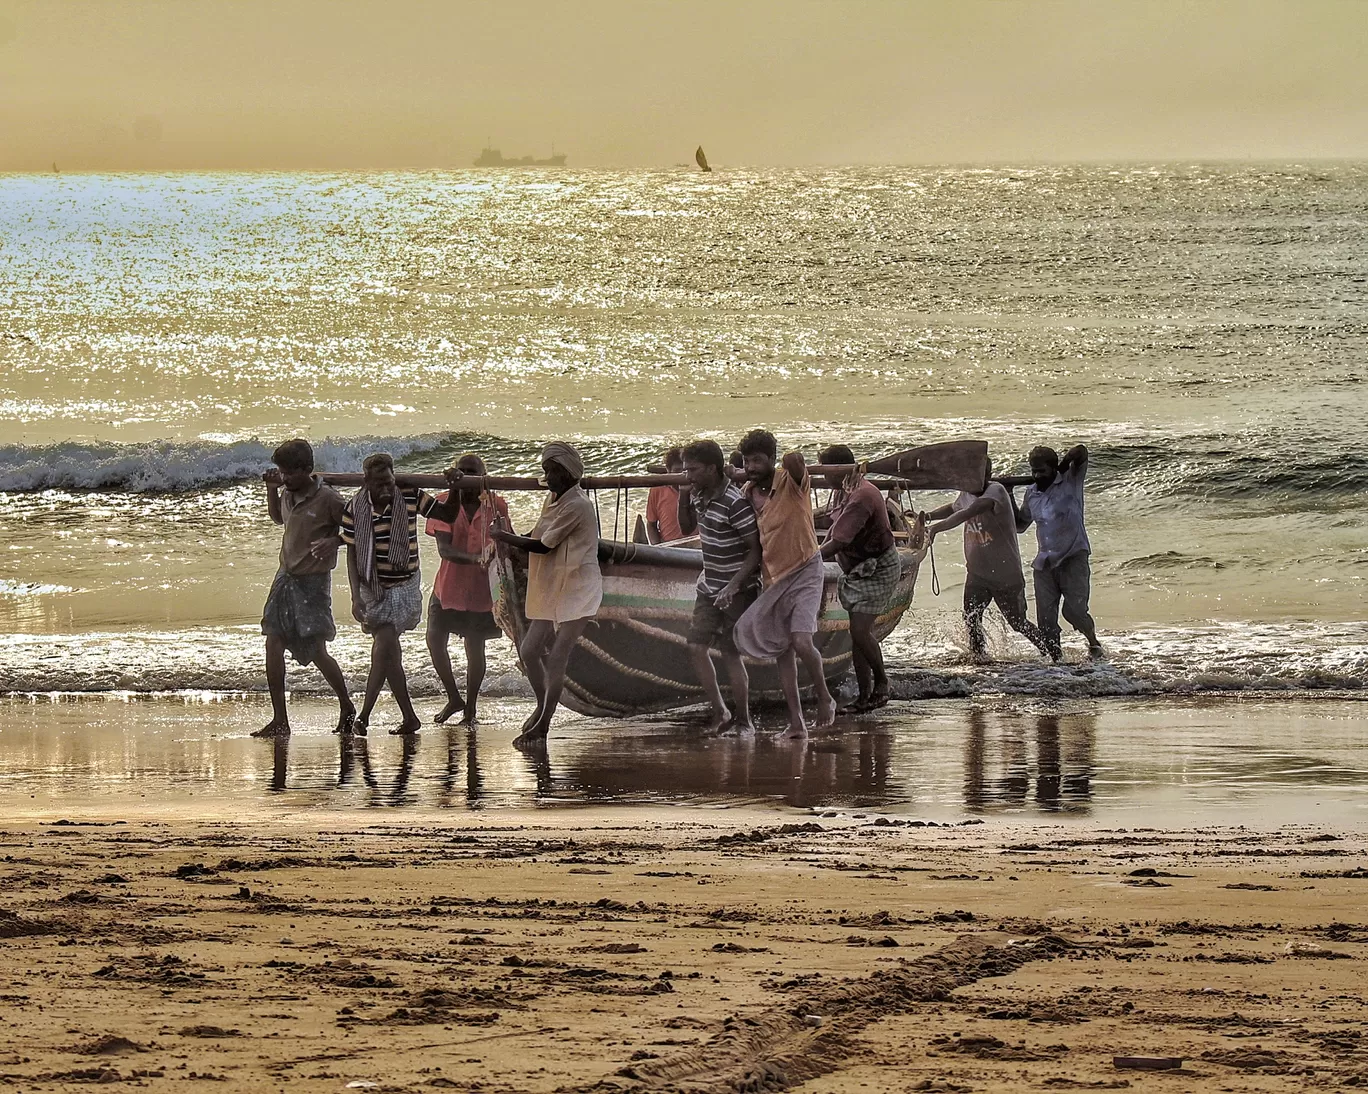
x=565 y=455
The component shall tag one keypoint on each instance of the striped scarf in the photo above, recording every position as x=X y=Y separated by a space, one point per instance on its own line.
x=364 y=515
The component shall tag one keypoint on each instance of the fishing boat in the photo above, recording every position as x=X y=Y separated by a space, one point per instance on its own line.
x=632 y=659
x=701 y=159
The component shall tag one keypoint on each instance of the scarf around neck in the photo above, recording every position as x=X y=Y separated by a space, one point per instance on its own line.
x=363 y=512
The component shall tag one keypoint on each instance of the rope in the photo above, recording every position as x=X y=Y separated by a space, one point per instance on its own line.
x=935 y=577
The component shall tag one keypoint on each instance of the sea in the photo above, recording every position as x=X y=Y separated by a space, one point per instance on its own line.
x=1202 y=327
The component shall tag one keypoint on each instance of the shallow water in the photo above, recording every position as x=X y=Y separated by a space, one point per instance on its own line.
x=1172 y=762
x=1202 y=327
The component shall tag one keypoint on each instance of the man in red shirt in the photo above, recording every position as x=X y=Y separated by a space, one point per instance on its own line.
x=860 y=539
x=662 y=504
x=461 y=601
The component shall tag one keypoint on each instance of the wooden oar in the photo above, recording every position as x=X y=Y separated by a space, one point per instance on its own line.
x=950 y=465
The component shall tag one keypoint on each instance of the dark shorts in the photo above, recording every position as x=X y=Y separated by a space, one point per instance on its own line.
x=714 y=626
x=479 y=625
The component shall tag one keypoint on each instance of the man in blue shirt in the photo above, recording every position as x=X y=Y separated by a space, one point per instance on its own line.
x=1054 y=503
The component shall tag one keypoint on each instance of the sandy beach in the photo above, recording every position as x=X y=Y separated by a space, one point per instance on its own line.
x=666 y=949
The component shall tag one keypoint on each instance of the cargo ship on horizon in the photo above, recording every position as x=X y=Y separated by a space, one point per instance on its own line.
x=492 y=157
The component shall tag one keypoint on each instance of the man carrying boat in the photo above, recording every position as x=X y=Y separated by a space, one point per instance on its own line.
x=461 y=603
x=564 y=583
x=860 y=539
x=380 y=529
x=725 y=522
x=662 y=505
x=1054 y=503
x=992 y=561
x=780 y=625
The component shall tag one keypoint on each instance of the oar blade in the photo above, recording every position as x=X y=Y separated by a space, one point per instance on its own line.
x=950 y=465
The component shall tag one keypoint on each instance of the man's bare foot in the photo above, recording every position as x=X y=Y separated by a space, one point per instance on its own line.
x=455 y=704
x=877 y=700
x=855 y=706
x=360 y=725
x=272 y=729
x=718 y=723
x=532 y=719
x=407 y=729
x=1096 y=652
x=740 y=728
x=797 y=731
x=346 y=721
x=826 y=713
x=469 y=718
x=530 y=741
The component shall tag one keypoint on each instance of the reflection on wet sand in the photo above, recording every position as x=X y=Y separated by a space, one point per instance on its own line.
x=1211 y=760
x=1064 y=745
x=851 y=767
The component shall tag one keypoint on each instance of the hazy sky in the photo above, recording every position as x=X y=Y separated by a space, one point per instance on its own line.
x=406 y=83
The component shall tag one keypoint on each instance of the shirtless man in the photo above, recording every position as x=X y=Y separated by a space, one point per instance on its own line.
x=781 y=623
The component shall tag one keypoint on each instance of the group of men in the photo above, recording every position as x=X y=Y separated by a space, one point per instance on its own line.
x=758 y=597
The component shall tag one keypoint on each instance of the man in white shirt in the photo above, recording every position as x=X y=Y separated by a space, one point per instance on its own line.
x=1054 y=503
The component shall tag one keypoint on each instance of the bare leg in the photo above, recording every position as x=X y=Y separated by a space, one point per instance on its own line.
x=437 y=639
x=375 y=680
x=807 y=653
x=387 y=642
x=332 y=673
x=475 y=674
x=554 y=680
x=740 y=689
x=532 y=652
x=788 y=680
x=707 y=676
x=868 y=650
x=275 y=683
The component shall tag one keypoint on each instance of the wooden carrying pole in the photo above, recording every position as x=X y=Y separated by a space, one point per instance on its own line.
x=589 y=482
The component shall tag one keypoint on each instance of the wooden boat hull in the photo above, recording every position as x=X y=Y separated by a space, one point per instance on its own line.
x=633 y=658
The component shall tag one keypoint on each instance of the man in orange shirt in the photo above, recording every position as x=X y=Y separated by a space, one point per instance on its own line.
x=781 y=623
x=662 y=504
x=461 y=601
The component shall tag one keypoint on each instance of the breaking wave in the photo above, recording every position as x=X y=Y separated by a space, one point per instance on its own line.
x=1294 y=468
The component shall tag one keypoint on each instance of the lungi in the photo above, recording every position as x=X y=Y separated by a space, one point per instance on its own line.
x=868 y=587
x=299 y=611
x=790 y=606
x=398 y=604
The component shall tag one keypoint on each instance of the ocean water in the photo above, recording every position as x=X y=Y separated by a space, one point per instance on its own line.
x=1202 y=327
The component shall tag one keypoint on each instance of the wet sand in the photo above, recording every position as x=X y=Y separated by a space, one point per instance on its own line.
x=1175 y=761
x=664 y=949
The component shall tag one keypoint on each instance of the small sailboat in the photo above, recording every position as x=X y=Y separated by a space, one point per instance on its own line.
x=701 y=159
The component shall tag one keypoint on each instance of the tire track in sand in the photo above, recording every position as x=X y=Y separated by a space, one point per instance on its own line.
x=783 y=1046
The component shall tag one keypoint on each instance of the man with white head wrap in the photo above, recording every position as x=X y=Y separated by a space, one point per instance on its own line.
x=564 y=582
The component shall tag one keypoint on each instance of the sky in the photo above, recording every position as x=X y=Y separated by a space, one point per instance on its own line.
x=339 y=84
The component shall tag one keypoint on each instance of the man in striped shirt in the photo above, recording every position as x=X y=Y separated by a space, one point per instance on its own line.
x=382 y=565
x=729 y=584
